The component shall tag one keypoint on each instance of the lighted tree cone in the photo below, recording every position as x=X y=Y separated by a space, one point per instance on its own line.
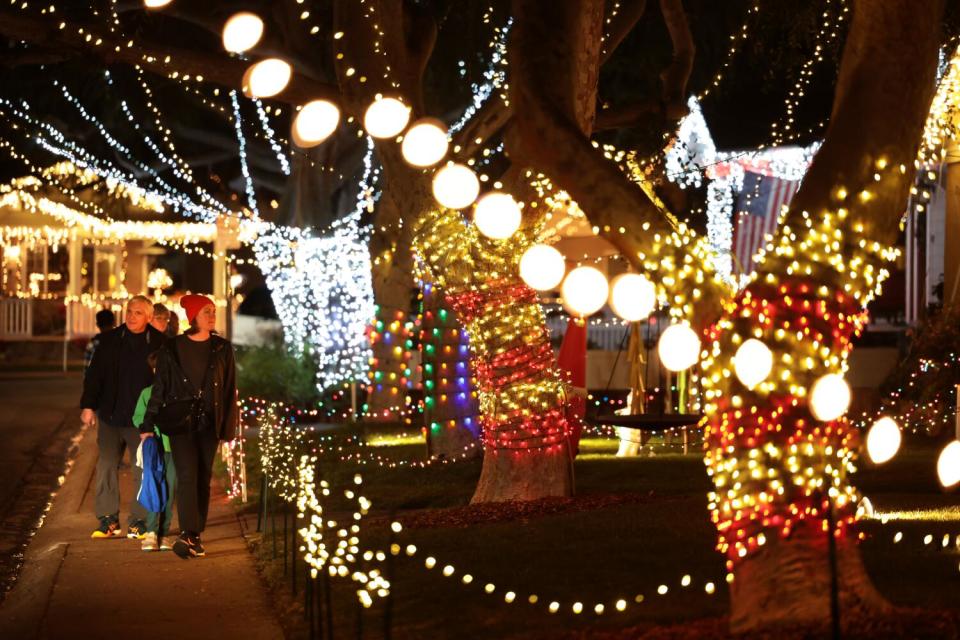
x=522 y=398
x=451 y=412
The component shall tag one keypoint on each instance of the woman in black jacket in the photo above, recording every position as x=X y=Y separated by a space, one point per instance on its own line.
x=198 y=364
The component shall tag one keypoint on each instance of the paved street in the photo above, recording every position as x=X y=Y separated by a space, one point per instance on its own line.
x=38 y=420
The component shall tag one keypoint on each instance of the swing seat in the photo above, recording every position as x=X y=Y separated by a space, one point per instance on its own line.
x=654 y=422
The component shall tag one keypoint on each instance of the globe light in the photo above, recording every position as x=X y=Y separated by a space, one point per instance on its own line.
x=497 y=216
x=948 y=464
x=632 y=296
x=584 y=291
x=883 y=440
x=315 y=122
x=266 y=78
x=829 y=397
x=242 y=32
x=386 y=117
x=679 y=347
x=425 y=143
x=156 y=4
x=752 y=363
x=542 y=267
x=455 y=186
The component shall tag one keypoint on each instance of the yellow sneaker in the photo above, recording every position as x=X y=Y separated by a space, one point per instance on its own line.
x=109 y=528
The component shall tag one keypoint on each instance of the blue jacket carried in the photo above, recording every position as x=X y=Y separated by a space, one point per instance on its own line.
x=153 y=490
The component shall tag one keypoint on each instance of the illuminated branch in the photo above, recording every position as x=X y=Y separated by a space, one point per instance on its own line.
x=156 y=57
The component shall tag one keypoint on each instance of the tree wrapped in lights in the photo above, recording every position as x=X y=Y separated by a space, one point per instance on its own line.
x=777 y=470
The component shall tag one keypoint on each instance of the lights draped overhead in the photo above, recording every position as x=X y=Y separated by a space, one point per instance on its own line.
x=386 y=117
x=584 y=291
x=632 y=296
x=456 y=186
x=883 y=440
x=948 y=465
x=542 y=267
x=829 y=397
x=497 y=215
x=679 y=347
x=315 y=122
x=242 y=32
x=267 y=78
x=752 y=363
x=425 y=143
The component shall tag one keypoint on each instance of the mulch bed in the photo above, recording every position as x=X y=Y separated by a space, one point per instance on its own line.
x=521 y=510
x=916 y=624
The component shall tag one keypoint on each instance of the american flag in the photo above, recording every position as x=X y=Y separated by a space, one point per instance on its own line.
x=757 y=210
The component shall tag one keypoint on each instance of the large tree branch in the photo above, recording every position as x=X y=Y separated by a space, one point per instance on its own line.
x=495 y=114
x=157 y=57
x=674 y=77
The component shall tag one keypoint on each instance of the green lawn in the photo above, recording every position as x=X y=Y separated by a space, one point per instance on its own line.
x=636 y=524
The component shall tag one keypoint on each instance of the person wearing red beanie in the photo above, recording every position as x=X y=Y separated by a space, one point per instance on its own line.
x=196 y=370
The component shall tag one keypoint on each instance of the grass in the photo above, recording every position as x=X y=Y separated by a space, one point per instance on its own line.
x=660 y=534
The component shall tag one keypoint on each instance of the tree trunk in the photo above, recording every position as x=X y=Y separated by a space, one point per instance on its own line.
x=773 y=464
x=451 y=415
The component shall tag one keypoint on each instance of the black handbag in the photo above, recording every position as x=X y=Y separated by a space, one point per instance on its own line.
x=178 y=416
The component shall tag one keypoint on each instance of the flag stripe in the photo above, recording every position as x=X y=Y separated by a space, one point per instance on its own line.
x=757 y=213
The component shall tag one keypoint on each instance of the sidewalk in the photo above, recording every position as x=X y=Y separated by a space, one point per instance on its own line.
x=74 y=587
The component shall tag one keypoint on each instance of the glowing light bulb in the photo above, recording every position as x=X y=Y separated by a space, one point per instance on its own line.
x=156 y=4
x=266 y=78
x=425 y=143
x=542 y=267
x=752 y=362
x=584 y=291
x=883 y=440
x=315 y=122
x=497 y=215
x=456 y=186
x=386 y=117
x=632 y=296
x=242 y=32
x=679 y=347
x=948 y=464
x=829 y=397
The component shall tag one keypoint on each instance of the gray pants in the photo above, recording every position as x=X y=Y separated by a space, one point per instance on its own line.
x=111 y=442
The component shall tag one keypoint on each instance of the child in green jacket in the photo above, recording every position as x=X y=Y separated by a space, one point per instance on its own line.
x=158 y=524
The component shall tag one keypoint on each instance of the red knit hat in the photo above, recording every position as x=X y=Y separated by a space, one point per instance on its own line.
x=192 y=303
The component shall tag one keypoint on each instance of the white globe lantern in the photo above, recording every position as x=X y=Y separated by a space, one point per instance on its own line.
x=829 y=397
x=584 y=291
x=156 y=4
x=883 y=440
x=679 y=347
x=386 y=118
x=542 y=267
x=497 y=216
x=752 y=363
x=425 y=143
x=267 y=78
x=315 y=122
x=948 y=464
x=242 y=32
x=632 y=296
x=456 y=186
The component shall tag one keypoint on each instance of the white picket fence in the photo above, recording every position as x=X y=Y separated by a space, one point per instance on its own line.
x=16 y=319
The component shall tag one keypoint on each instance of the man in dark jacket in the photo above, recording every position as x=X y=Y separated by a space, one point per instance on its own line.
x=111 y=387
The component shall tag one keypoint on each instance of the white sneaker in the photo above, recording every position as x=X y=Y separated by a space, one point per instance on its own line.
x=149 y=542
x=165 y=545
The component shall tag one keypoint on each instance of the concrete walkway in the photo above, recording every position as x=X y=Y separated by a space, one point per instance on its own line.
x=74 y=587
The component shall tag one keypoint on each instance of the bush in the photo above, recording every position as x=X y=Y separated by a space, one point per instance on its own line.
x=273 y=373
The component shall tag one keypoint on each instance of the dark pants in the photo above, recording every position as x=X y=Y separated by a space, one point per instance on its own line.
x=111 y=442
x=193 y=455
